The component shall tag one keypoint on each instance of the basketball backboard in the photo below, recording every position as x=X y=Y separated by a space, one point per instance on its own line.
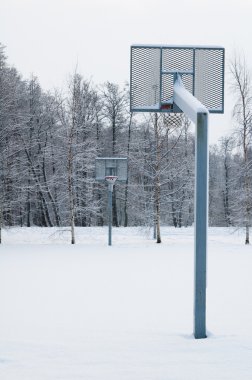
x=154 y=70
x=111 y=167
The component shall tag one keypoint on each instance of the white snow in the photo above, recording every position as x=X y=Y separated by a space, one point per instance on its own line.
x=124 y=312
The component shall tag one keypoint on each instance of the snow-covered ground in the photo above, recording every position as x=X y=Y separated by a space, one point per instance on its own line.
x=93 y=312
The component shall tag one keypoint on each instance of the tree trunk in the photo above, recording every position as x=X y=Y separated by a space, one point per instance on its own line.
x=1 y=222
x=158 y=211
x=28 y=202
x=54 y=207
x=126 y=205
x=157 y=177
x=226 y=195
x=127 y=182
x=247 y=235
x=114 y=207
x=70 y=186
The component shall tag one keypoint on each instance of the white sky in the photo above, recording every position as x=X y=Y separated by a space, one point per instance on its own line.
x=50 y=37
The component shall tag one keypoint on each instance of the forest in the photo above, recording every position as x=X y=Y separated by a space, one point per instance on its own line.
x=49 y=142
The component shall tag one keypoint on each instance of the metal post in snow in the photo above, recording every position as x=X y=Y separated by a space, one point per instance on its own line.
x=110 y=193
x=201 y=223
x=198 y=113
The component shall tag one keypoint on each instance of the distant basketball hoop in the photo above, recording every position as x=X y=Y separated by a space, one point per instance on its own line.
x=110 y=170
x=111 y=179
x=110 y=167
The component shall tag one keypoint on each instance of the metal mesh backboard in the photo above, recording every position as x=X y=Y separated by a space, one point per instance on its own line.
x=154 y=69
x=111 y=166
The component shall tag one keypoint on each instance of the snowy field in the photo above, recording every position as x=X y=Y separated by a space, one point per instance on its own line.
x=93 y=312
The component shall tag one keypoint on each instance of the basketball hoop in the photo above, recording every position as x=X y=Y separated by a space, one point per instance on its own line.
x=110 y=170
x=187 y=79
x=173 y=119
x=111 y=179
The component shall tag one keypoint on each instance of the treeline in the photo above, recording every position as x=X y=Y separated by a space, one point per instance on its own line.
x=49 y=142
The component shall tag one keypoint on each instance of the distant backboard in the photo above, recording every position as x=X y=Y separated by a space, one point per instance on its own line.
x=154 y=69
x=111 y=166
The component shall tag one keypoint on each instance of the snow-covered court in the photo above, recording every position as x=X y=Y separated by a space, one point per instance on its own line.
x=93 y=312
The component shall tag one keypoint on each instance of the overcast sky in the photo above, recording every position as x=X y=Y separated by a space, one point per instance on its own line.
x=50 y=37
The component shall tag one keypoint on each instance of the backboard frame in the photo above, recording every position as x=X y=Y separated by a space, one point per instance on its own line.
x=201 y=68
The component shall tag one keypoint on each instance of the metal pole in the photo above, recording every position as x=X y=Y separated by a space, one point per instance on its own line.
x=198 y=113
x=110 y=192
x=201 y=224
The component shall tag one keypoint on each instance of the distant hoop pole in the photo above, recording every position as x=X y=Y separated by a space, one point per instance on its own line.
x=198 y=113
x=111 y=181
x=110 y=170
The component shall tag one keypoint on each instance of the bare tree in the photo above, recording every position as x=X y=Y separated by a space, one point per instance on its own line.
x=159 y=170
x=242 y=113
x=115 y=101
x=227 y=146
x=13 y=97
x=78 y=117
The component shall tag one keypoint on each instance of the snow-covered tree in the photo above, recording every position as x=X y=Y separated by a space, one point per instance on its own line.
x=115 y=122
x=78 y=117
x=242 y=113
